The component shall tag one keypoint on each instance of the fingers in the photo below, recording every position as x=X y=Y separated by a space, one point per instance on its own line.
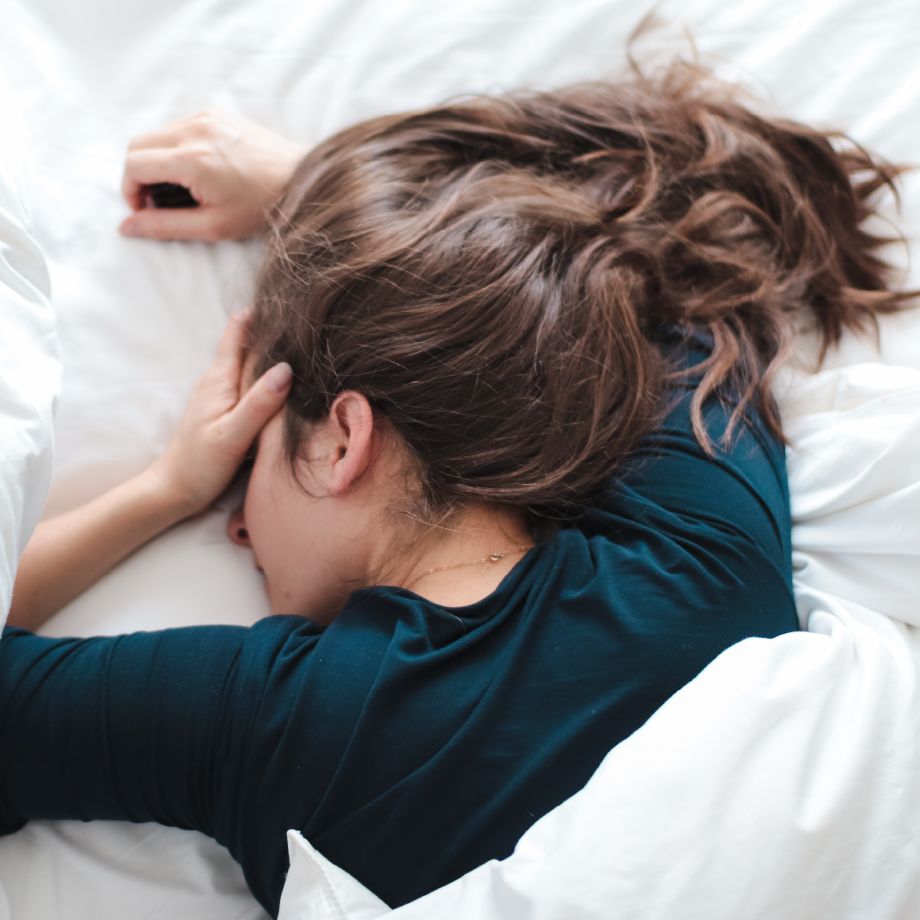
x=170 y=136
x=231 y=350
x=144 y=167
x=178 y=132
x=171 y=224
x=260 y=402
x=155 y=156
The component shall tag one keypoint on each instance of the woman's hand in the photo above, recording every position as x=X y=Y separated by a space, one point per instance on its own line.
x=234 y=168
x=220 y=423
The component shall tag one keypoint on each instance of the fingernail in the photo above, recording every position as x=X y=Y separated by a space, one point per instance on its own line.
x=128 y=229
x=244 y=314
x=279 y=377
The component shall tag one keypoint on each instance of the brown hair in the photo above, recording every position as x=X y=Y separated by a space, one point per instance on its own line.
x=495 y=274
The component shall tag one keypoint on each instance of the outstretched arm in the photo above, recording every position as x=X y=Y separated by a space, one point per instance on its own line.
x=129 y=727
x=69 y=553
x=165 y=726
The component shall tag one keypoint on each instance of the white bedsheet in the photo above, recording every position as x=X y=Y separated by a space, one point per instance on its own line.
x=139 y=320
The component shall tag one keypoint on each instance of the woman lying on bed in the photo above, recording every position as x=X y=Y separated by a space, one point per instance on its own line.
x=518 y=476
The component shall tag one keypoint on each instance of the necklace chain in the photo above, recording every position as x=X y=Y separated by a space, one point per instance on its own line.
x=492 y=557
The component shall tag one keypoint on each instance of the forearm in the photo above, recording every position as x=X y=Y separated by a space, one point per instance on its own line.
x=69 y=553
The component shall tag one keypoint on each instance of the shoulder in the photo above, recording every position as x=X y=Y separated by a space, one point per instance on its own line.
x=271 y=650
x=740 y=487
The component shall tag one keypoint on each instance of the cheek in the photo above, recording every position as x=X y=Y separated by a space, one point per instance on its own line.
x=256 y=507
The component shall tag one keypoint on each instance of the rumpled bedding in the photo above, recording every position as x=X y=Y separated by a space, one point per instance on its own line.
x=29 y=367
x=783 y=781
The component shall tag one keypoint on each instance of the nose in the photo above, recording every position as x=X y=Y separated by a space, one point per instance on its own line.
x=236 y=529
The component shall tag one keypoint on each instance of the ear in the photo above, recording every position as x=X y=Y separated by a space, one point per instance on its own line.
x=350 y=438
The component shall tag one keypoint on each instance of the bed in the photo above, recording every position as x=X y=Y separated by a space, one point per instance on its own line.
x=785 y=780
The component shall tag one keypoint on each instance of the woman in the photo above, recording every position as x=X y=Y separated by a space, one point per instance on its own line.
x=518 y=476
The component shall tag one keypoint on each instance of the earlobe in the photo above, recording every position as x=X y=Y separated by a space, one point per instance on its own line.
x=352 y=422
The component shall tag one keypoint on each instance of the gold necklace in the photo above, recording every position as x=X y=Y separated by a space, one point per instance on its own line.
x=492 y=557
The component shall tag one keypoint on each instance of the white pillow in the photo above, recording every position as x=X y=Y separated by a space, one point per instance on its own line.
x=29 y=365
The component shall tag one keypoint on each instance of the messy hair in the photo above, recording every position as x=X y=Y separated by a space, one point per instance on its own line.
x=496 y=274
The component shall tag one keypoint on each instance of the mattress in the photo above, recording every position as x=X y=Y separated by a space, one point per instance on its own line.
x=138 y=322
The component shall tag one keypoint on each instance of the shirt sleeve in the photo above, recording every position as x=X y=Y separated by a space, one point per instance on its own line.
x=139 y=727
x=672 y=484
x=170 y=726
x=740 y=490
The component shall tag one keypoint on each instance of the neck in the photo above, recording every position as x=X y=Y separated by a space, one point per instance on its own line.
x=445 y=565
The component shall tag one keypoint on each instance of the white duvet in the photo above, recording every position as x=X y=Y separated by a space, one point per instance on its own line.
x=784 y=781
x=29 y=369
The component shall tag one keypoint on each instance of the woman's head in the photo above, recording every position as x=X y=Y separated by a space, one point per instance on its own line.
x=325 y=527
x=313 y=543
x=495 y=276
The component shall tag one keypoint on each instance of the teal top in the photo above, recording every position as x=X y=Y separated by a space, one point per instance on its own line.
x=407 y=741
